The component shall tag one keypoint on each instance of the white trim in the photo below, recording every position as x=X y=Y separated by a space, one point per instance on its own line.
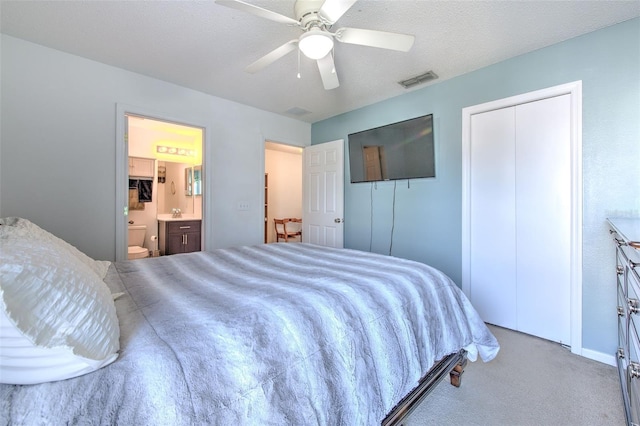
x=600 y=357
x=122 y=201
x=122 y=171
x=575 y=90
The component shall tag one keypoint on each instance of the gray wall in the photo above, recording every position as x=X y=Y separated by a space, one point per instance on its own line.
x=428 y=214
x=58 y=146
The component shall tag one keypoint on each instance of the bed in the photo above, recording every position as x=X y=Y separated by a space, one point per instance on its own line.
x=283 y=333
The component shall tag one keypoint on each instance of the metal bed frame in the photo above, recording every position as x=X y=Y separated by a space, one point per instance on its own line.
x=452 y=364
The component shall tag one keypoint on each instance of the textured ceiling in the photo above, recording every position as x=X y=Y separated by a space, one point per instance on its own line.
x=205 y=46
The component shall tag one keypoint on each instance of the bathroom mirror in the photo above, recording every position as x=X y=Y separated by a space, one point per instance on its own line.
x=182 y=188
x=188 y=181
x=193 y=181
x=197 y=180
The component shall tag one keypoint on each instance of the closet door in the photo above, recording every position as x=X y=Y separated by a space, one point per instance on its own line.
x=520 y=217
x=493 y=218
x=543 y=211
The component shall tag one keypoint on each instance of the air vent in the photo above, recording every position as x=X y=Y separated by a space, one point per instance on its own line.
x=297 y=111
x=419 y=79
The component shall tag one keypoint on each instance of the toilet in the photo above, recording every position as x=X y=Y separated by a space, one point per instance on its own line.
x=136 y=242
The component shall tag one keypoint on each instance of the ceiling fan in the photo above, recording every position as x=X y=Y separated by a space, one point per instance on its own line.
x=315 y=18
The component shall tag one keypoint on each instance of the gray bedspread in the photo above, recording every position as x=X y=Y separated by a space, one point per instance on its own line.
x=277 y=334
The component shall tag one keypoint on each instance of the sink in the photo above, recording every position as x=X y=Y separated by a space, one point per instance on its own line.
x=168 y=217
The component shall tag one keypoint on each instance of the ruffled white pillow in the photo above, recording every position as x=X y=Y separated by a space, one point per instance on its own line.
x=58 y=318
x=31 y=230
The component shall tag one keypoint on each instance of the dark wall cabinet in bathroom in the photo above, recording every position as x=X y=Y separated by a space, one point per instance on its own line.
x=182 y=236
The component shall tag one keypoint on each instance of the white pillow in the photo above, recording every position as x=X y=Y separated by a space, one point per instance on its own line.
x=23 y=363
x=32 y=230
x=58 y=318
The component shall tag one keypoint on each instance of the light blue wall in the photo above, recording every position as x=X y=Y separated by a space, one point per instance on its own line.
x=428 y=213
x=58 y=146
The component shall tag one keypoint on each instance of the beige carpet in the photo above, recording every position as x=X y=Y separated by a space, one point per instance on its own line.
x=531 y=382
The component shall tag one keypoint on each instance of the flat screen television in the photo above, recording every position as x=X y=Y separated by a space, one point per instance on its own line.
x=403 y=150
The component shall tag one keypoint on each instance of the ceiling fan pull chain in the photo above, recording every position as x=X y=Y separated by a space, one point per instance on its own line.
x=298 y=63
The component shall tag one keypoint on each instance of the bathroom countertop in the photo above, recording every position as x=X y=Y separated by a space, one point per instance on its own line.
x=170 y=218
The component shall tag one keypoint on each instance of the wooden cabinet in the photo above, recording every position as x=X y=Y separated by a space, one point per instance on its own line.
x=141 y=167
x=181 y=236
x=626 y=234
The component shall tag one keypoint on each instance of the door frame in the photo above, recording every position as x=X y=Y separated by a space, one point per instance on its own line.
x=293 y=146
x=575 y=90
x=122 y=171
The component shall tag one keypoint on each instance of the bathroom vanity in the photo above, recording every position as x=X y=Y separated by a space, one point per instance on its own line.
x=179 y=235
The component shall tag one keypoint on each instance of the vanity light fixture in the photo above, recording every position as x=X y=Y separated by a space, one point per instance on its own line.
x=162 y=149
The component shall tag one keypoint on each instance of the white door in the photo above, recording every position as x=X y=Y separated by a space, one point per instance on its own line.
x=492 y=192
x=520 y=217
x=543 y=212
x=323 y=194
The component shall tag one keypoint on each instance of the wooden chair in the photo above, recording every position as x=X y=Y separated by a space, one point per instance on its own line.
x=283 y=232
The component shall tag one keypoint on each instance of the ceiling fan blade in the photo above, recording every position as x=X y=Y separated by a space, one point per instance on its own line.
x=258 y=11
x=373 y=38
x=272 y=56
x=332 y=10
x=328 y=72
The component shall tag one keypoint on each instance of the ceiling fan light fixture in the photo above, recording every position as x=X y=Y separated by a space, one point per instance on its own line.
x=315 y=44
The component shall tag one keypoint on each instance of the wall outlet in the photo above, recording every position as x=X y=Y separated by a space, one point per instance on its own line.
x=243 y=205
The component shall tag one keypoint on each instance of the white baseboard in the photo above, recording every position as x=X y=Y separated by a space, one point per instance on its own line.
x=599 y=356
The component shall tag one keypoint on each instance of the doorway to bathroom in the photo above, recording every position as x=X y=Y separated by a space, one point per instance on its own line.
x=162 y=180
